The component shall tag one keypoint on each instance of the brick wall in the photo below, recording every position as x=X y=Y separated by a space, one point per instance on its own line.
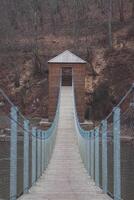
x=79 y=84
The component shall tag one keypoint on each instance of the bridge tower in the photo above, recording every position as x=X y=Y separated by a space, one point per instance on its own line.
x=68 y=68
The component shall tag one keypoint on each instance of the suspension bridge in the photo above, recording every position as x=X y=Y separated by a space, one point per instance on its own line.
x=65 y=161
x=66 y=177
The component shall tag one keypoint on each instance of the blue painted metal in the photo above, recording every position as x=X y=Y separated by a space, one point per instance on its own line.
x=26 y=157
x=104 y=157
x=117 y=159
x=92 y=154
x=41 y=138
x=97 y=156
x=13 y=154
x=42 y=146
x=34 y=151
x=82 y=134
x=47 y=147
x=50 y=145
x=43 y=156
x=38 y=153
x=89 y=157
x=46 y=153
x=82 y=150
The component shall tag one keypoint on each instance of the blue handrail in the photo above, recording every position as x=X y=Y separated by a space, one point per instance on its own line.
x=91 y=141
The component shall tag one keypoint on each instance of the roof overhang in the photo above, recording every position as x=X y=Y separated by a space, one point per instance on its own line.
x=67 y=58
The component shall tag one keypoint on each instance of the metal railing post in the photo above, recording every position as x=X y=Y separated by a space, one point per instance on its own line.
x=97 y=156
x=89 y=154
x=117 y=159
x=48 y=151
x=26 y=157
x=38 y=154
x=104 y=157
x=92 y=154
x=34 y=151
x=43 y=152
x=13 y=154
x=83 y=155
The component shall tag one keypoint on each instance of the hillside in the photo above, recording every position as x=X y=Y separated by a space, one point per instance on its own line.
x=81 y=28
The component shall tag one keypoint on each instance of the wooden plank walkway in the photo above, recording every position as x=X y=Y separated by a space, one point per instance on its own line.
x=66 y=177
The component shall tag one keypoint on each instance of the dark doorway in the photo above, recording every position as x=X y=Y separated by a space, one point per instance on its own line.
x=66 y=76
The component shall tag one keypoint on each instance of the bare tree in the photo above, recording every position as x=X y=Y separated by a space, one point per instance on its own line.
x=132 y=8
x=36 y=59
x=110 y=24
x=53 y=4
x=17 y=76
x=121 y=10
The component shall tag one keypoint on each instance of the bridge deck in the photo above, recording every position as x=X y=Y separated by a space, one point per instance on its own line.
x=65 y=178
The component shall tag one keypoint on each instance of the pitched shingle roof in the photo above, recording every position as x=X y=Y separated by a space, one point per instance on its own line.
x=66 y=57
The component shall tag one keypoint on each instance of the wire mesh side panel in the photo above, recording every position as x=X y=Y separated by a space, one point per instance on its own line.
x=20 y=156
x=17 y=172
x=116 y=149
x=127 y=147
x=5 y=127
x=4 y=157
